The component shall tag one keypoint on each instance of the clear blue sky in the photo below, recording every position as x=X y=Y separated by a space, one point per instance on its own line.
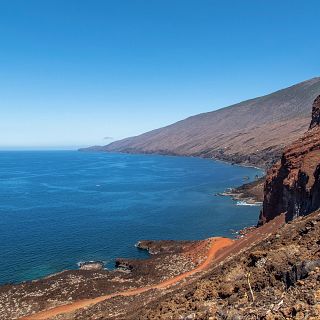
x=73 y=71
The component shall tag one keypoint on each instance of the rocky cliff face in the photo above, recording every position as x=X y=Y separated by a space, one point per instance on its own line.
x=293 y=183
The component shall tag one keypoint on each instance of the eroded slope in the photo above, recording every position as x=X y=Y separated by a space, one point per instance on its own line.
x=253 y=131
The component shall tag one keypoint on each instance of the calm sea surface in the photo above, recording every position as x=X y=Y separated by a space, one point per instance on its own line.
x=59 y=208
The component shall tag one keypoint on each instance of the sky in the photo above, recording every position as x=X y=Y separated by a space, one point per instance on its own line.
x=76 y=73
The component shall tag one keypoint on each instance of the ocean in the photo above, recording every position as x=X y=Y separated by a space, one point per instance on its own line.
x=58 y=208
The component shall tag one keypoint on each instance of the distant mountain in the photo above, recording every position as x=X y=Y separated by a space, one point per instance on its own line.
x=251 y=132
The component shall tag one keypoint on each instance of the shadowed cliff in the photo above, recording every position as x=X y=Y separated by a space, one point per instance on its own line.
x=293 y=183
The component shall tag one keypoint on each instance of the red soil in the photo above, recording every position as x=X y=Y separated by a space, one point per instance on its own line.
x=221 y=248
x=217 y=245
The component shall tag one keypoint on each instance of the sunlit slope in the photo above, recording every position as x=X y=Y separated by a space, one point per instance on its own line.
x=252 y=131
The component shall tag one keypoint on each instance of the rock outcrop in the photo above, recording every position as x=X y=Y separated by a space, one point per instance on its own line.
x=293 y=183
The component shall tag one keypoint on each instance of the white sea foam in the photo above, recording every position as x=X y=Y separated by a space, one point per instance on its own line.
x=244 y=203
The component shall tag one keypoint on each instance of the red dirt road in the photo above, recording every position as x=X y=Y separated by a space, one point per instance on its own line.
x=221 y=248
x=217 y=245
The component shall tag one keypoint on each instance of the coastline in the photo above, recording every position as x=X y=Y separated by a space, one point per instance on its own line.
x=250 y=193
x=214 y=252
x=230 y=172
x=169 y=262
x=213 y=247
x=243 y=193
x=231 y=161
x=90 y=264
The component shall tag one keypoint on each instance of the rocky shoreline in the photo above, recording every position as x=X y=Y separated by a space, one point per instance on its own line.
x=248 y=194
x=168 y=259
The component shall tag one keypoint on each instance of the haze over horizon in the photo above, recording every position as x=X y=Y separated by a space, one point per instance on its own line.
x=75 y=73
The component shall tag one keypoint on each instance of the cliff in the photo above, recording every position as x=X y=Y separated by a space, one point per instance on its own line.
x=293 y=183
x=251 y=132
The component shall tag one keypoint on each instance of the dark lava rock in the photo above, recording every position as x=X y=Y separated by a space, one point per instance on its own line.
x=299 y=272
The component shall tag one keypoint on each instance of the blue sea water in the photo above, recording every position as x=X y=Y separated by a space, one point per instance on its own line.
x=61 y=207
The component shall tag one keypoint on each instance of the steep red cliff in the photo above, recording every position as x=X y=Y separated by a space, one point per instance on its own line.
x=293 y=183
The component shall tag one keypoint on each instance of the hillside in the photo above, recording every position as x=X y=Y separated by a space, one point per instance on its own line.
x=252 y=132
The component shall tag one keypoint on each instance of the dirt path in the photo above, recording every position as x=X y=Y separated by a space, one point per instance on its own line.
x=217 y=245
x=215 y=254
x=250 y=239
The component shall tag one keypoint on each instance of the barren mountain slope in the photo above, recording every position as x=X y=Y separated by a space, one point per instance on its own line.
x=253 y=131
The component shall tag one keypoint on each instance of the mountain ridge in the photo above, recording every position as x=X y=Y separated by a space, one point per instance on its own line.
x=252 y=132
